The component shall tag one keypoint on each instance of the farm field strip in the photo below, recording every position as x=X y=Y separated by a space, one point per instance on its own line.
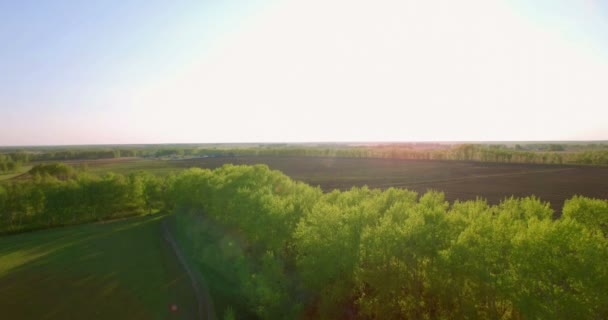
x=13 y=175
x=116 y=270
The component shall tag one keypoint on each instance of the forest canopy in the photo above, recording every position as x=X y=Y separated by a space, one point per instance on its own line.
x=393 y=254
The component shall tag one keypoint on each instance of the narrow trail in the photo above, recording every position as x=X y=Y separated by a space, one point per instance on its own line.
x=200 y=290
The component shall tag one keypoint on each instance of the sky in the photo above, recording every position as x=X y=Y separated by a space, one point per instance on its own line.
x=134 y=71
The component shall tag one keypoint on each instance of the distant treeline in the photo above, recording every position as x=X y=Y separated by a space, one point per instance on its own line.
x=289 y=251
x=592 y=154
x=93 y=153
x=467 y=152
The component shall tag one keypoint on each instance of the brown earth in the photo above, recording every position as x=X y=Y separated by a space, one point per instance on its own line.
x=459 y=180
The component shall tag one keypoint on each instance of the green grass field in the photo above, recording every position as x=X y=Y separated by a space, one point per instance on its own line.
x=115 y=270
x=11 y=175
x=157 y=167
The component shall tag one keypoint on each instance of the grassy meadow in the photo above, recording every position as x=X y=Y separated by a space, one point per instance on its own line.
x=8 y=176
x=114 y=270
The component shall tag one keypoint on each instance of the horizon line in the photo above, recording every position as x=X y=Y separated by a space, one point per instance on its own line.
x=309 y=142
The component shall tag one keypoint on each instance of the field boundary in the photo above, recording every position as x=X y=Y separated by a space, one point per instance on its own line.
x=202 y=294
x=78 y=223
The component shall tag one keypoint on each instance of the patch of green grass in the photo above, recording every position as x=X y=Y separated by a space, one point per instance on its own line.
x=156 y=167
x=115 y=270
x=8 y=176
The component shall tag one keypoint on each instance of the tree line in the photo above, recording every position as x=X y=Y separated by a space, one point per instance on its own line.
x=57 y=195
x=463 y=152
x=10 y=163
x=554 y=154
x=588 y=154
x=292 y=251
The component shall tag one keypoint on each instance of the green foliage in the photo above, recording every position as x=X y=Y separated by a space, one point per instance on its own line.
x=47 y=201
x=557 y=272
x=57 y=170
x=229 y=314
x=152 y=190
x=398 y=275
x=11 y=162
x=545 y=154
x=292 y=252
x=593 y=213
x=256 y=240
x=73 y=154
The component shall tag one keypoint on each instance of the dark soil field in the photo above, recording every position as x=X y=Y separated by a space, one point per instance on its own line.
x=459 y=180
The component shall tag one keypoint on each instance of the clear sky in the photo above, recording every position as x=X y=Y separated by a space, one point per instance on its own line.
x=135 y=71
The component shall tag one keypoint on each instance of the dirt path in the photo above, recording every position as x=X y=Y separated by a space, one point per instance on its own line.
x=204 y=304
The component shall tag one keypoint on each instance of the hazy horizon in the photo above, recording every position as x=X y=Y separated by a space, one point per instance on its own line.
x=143 y=72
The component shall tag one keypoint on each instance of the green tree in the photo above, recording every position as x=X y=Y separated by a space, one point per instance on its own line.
x=593 y=213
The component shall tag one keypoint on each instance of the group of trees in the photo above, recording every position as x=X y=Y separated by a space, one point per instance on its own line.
x=8 y=166
x=11 y=162
x=554 y=155
x=58 y=170
x=85 y=154
x=56 y=194
x=292 y=251
x=462 y=152
x=89 y=153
